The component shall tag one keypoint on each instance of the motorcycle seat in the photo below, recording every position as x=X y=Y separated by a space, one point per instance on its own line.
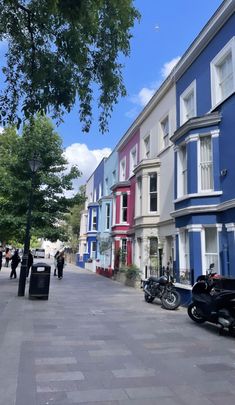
x=154 y=278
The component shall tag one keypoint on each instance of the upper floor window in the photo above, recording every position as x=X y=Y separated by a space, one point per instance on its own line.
x=100 y=190
x=108 y=216
x=222 y=73
x=124 y=208
x=206 y=164
x=153 y=192
x=123 y=170
x=188 y=103
x=133 y=160
x=95 y=195
x=106 y=184
x=94 y=220
x=182 y=171
x=139 y=196
x=114 y=176
x=164 y=124
x=146 y=154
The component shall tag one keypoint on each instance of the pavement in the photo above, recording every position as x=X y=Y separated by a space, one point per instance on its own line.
x=97 y=342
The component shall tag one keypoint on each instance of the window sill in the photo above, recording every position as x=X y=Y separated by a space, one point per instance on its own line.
x=198 y=195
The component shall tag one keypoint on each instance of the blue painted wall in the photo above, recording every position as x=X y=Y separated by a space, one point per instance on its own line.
x=200 y=70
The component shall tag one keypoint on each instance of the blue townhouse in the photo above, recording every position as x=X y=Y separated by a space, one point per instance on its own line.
x=106 y=211
x=204 y=145
x=94 y=211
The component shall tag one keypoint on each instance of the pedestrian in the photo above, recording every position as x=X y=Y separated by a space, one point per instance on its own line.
x=55 y=261
x=60 y=265
x=7 y=257
x=0 y=258
x=30 y=262
x=15 y=260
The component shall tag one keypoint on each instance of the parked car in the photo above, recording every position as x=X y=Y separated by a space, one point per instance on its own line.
x=39 y=253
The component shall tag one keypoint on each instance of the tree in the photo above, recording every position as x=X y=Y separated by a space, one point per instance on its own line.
x=51 y=181
x=57 y=50
x=73 y=219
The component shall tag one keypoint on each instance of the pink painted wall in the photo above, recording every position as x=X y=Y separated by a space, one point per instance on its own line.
x=125 y=151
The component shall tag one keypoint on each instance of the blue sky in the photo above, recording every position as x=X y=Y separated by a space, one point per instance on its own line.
x=179 y=21
x=165 y=31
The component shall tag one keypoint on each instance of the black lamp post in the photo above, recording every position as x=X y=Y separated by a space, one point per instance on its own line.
x=34 y=164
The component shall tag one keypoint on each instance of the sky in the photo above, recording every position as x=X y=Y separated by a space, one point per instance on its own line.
x=165 y=31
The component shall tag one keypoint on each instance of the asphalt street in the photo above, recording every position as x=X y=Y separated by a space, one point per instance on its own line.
x=96 y=342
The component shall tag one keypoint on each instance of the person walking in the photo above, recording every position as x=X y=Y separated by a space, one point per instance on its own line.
x=0 y=258
x=60 y=265
x=55 y=261
x=30 y=262
x=7 y=257
x=15 y=260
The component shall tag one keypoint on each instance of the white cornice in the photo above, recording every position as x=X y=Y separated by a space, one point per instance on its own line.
x=230 y=227
x=198 y=195
x=194 y=228
x=197 y=209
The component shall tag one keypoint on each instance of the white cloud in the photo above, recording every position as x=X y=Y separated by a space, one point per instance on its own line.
x=146 y=93
x=168 y=66
x=87 y=160
x=1 y=129
x=143 y=97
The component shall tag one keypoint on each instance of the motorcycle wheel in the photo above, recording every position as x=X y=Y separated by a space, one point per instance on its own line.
x=171 y=300
x=194 y=315
x=148 y=298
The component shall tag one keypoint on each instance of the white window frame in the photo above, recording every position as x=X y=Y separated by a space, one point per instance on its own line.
x=165 y=137
x=211 y=163
x=139 y=188
x=133 y=159
x=152 y=192
x=94 y=215
x=124 y=208
x=124 y=251
x=183 y=97
x=182 y=175
x=147 y=147
x=122 y=176
x=184 y=250
x=206 y=259
x=216 y=96
x=107 y=216
x=93 y=252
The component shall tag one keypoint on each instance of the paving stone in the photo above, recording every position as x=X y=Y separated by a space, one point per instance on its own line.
x=97 y=395
x=108 y=349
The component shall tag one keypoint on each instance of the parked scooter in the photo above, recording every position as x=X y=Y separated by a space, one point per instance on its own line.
x=211 y=304
x=162 y=288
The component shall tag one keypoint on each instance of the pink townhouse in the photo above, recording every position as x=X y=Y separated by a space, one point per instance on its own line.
x=124 y=200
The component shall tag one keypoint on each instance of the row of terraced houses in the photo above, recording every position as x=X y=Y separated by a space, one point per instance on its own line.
x=166 y=194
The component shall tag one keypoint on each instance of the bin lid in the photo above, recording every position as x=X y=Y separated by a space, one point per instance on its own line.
x=41 y=264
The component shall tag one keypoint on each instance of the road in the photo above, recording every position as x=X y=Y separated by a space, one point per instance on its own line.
x=96 y=342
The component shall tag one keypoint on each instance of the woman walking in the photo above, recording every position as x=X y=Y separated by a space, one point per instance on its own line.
x=15 y=260
x=60 y=265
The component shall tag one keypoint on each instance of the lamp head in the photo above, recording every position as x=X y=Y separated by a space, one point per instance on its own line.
x=35 y=163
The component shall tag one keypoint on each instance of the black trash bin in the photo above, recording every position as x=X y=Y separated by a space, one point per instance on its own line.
x=39 y=281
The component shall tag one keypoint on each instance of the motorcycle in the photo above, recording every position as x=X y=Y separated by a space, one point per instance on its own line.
x=162 y=288
x=211 y=303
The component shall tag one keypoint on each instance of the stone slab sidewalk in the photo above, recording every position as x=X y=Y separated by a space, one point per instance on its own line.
x=96 y=342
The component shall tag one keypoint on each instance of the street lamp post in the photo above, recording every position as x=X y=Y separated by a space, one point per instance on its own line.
x=34 y=164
